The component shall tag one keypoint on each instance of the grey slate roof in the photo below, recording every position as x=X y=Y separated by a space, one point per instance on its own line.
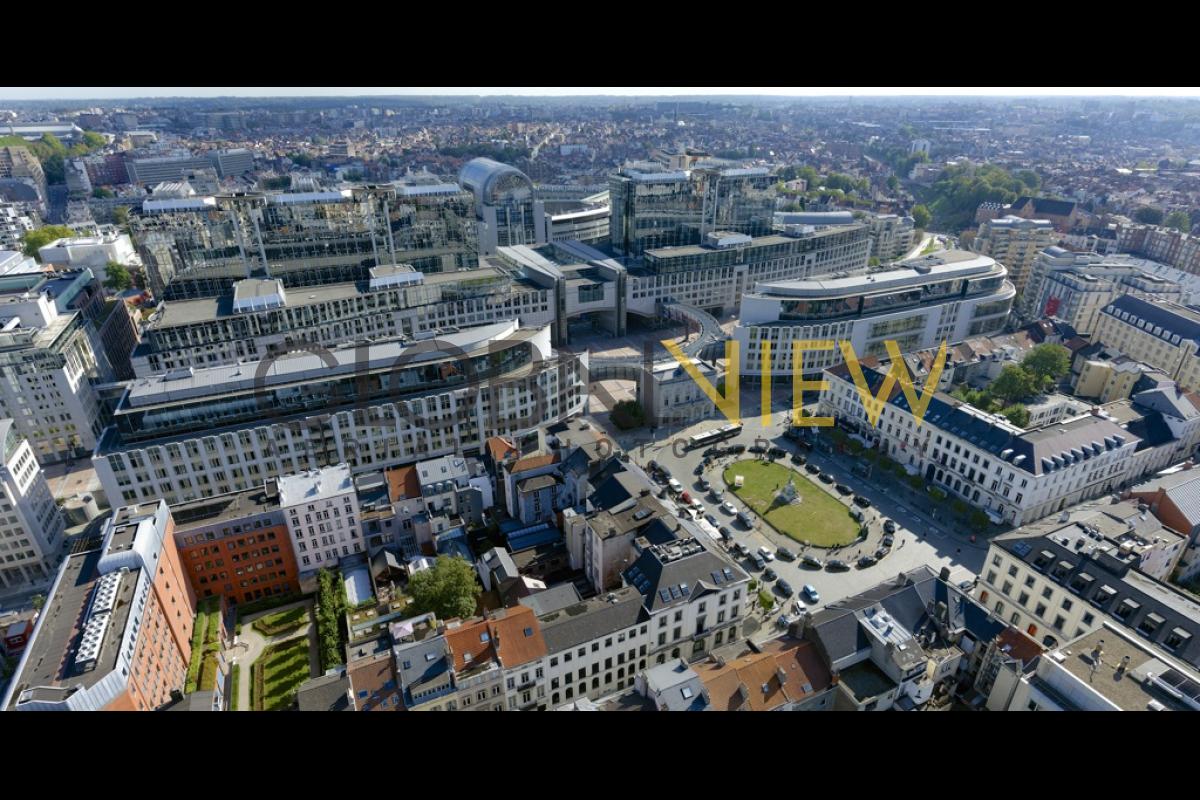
x=584 y=622
x=326 y=693
x=682 y=569
x=553 y=599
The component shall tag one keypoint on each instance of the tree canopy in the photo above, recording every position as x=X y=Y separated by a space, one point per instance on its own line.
x=921 y=216
x=1148 y=215
x=43 y=236
x=960 y=190
x=1047 y=363
x=1179 y=220
x=1017 y=414
x=448 y=589
x=117 y=277
x=1014 y=383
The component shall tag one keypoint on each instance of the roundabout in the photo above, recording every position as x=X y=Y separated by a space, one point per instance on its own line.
x=791 y=504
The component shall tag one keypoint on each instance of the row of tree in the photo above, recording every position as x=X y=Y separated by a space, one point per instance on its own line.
x=52 y=153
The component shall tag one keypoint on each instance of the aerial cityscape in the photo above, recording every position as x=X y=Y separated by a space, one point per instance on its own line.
x=599 y=400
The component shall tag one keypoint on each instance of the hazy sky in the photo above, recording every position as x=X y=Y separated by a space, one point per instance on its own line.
x=118 y=92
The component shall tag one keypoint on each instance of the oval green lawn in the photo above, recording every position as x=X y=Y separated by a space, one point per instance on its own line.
x=818 y=519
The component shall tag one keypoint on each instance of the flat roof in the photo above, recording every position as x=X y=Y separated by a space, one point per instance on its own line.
x=1128 y=689
x=221 y=508
x=757 y=241
x=943 y=266
x=49 y=656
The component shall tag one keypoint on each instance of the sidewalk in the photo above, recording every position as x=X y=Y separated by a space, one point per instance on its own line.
x=251 y=645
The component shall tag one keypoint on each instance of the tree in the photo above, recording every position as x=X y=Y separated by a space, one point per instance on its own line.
x=43 y=236
x=38 y=600
x=1148 y=216
x=893 y=183
x=1017 y=414
x=101 y=193
x=448 y=589
x=921 y=216
x=1047 y=363
x=121 y=215
x=1178 y=220
x=117 y=277
x=1013 y=384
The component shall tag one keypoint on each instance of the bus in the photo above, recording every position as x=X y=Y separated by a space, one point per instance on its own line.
x=712 y=437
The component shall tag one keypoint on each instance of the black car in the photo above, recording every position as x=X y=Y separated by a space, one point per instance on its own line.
x=737 y=449
x=666 y=473
x=811 y=468
x=861 y=501
x=652 y=465
x=812 y=562
x=825 y=477
x=783 y=554
x=777 y=452
x=881 y=552
x=844 y=489
x=805 y=443
x=784 y=588
x=889 y=526
x=888 y=540
x=867 y=561
x=757 y=448
x=711 y=452
x=769 y=574
x=837 y=565
x=699 y=470
x=798 y=459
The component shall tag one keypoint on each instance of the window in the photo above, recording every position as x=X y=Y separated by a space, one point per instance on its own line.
x=1024 y=598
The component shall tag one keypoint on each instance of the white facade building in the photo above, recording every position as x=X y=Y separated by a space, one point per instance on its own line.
x=323 y=519
x=31 y=527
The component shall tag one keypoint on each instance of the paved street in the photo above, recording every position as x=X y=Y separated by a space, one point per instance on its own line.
x=919 y=540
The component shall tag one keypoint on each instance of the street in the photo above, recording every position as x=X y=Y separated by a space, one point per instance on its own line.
x=918 y=540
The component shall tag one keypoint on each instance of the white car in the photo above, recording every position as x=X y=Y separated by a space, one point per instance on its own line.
x=798 y=607
x=766 y=553
x=728 y=507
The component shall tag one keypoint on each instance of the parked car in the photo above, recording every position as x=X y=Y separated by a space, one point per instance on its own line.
x=703 y=484
x=728 y=507
x=825 y=477
x=798 y=459
x=812 y=562
x=888 y=540
x=665 y=472
x=769 y=574
x=766 y=553
x=785 y=555
x=652 y=465
x=757 y=560
x=712 y=520
x=881 y=552
x=716 y=493
x=805 y=442
x=798 y=606
x=699 y=470
x=777 y=452
x=784 y=588
x=889 y=526
x=861 y=501
x=675 y=485
x=844 y=489
x=741 y=549
x=837 y=565
x=811 y=468
x=726 y=534
x=712 y=451
x=737 y=449
x=867 y=561
x=757 y=448
x=810 y=593
x=746 y=519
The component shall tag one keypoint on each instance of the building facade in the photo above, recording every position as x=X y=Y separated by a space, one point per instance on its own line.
x=31 y=531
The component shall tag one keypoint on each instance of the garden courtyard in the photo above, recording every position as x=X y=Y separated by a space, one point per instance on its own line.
x=818 y=518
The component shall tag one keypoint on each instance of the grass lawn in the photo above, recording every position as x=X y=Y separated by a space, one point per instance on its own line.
x=281 y=621
x=818 y=519
x=278 y=672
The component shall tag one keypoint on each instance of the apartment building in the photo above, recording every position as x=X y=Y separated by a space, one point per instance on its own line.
x=236 y=546
x=46 y=365
x=1075 y=287
x=891 y=236
x=1108 y=669
x=20 y=164
x=31 y=528
x=115 y=633
x=695 y=599
x=262 y=318
x=919 y=304
x=1013 y=475
x=1164 y=335
x=1060 y=580
x=322 y=514
x=156 y=169
x=1015 y=243
x=14 y=224
x=189 y=434
x=1178 y=249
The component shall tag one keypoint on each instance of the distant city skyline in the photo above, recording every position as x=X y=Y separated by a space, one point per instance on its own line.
x=139 y=92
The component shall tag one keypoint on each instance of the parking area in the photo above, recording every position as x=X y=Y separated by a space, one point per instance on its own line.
x=917 y=539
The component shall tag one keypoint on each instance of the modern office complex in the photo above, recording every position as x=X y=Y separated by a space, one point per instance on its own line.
x=653 y=207
x=946 y=297
x=199 y=246
x=506 y=205
x=32 y=527
x=585 y=220
x=193 y=433
x=1015 y=243
x=46 y=363
x=115 y=633
x=262 y=318
x=1074 y=287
